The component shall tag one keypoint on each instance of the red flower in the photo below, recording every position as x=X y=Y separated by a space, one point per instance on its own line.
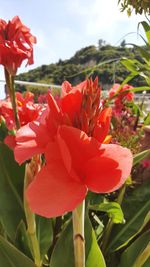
x=72 y=99
x=15 y=44
x=76 y=161
x=27 y=110
x=146 y=163
x=124 y=96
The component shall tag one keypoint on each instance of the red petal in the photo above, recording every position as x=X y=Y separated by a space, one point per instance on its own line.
x=66 y=88
x=29 y=141
x=54 y=118
x=72 y=99
x=54 y=109
x=26 y=150
x=103 y=125
x=54 y=191
x=80 y=146
x=10 y=141
x=109 y=171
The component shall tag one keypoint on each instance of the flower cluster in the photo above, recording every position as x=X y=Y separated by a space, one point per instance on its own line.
x=16 y=44
x=27 y=110
x=72 y=137
x=123 y=97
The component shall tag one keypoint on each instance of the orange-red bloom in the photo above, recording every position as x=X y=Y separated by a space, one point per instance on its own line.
x=125 y=95
x=27 y=110
x=16 y=43
x=76 y=159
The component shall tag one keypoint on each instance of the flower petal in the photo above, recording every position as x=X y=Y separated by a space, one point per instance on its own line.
x=103 y=125
x=80 y=146
x=72 y=99
x=54 y=191
x=29 y=141
x=10 y=141
x=109 y=171
x=26 y=150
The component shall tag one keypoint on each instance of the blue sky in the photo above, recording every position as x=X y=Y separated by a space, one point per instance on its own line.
x=64 y=26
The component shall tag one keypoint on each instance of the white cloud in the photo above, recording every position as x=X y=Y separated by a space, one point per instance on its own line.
x=103 y=19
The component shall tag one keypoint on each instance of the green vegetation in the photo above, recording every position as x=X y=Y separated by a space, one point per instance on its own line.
x=103 y=61
x=139 y=6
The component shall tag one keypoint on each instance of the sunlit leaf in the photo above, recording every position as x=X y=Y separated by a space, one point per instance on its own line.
x=113 y=210
x=146 y=27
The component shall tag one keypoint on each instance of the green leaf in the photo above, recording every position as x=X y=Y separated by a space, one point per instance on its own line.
x=64 y=247
x=3 y=129
x=94 y=255
x=113 y=210
x=146 y=27
x=147 y=119
x=63 y=252
x=44 y=234
x=22 y=241
x=11 y=187
x=145 y=55
x=141 y=88
x=94 y=198
x=140 y=156
x=132 y=253
x=135 y=208
x=145 y=222
x=144 y=258
x=12 y=257
x=132 y=64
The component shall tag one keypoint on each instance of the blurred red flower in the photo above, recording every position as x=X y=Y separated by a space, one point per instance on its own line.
x=76 y=159
x=124 y=95
x=16 y=43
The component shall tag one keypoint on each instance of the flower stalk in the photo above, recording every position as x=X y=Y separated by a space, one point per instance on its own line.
x=30 y=217
x=78 y=235
x=11 y=89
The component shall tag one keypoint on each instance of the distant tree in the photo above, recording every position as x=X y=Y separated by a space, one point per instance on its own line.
x=123 y=43
x=101 y=43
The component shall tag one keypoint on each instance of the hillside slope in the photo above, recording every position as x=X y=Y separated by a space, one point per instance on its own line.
x=103 y=61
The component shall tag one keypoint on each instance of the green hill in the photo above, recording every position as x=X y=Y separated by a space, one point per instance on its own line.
x=103 y=61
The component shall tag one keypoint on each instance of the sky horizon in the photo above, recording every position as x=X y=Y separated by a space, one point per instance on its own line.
x=63 y=27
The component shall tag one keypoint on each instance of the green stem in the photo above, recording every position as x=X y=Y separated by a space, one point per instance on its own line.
x=30 y=218
x=78 y=235
x=11 y=89
x=14 y=104
x=7 y=79
x=106 y=236
x=108 y=230
x=121 y=194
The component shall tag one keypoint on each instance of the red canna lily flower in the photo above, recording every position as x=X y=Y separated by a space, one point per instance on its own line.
x=76 y=161
x=124 y=96
x=27 y=110
x=16 y=43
